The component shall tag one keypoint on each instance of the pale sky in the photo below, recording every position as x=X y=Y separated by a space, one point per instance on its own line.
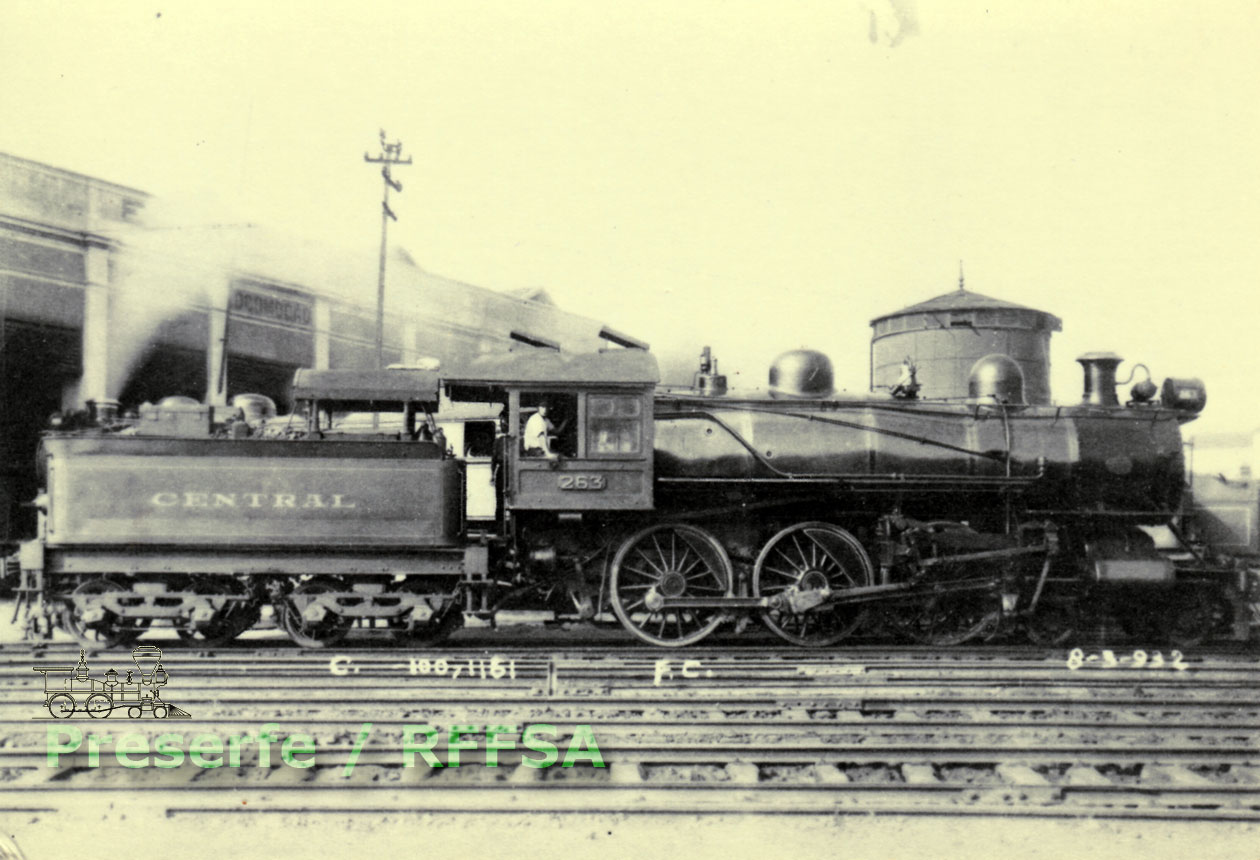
x=754 y=176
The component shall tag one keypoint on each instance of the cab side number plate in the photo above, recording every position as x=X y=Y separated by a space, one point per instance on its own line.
x=583 y=482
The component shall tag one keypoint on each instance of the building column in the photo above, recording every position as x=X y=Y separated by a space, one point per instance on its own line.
x=321 y=325
x=217 y=297
x=96 y=383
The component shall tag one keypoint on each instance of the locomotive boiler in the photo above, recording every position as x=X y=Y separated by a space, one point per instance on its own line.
x=942 y=512
x=676 y=511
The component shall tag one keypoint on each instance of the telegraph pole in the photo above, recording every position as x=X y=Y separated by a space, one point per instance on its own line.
x=391 y=154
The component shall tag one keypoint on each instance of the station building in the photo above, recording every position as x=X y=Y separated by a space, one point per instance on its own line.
x=102 y=303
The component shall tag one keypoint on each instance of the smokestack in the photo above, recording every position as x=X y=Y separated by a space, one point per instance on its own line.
x=1100 y=378
x=102 y=411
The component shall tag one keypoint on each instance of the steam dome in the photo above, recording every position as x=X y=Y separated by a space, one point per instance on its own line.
x=997 y=378
x=803 y=373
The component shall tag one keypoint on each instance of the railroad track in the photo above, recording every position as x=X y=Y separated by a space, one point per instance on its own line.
x=988 y=732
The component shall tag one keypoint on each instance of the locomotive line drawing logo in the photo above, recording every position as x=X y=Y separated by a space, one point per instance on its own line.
x=71 y=690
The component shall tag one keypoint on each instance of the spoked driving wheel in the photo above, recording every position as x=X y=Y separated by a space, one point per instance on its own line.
x=95 y=626
x=99 y=705
x=310 y=623
x=61 y=705
x=663 y=562
x=802 y=565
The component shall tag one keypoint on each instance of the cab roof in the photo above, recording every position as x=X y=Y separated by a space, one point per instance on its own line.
x=630 y=367
x=621 y=367
x=396 y=385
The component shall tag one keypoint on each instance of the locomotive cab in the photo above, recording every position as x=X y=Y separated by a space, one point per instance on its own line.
x=578 y=433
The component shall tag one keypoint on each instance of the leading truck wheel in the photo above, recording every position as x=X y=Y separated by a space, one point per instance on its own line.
x=800 y=564
x=1194 y=615
x=310 y=624
x=663 y=562
x=948 y=619
x=1054 y=623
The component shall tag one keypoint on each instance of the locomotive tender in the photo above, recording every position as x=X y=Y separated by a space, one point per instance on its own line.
x=681 y=510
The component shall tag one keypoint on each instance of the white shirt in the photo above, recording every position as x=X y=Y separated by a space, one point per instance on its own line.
x=537 y=429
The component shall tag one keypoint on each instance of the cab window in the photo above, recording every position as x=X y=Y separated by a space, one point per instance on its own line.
x=614 y=425
x=561 y=423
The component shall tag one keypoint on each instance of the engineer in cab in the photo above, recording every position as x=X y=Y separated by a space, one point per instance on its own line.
x=540 y=434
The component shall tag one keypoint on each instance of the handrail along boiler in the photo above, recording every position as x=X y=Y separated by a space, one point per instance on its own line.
x=679 y=509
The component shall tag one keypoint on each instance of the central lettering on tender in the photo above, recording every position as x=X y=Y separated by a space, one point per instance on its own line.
x=293 y=501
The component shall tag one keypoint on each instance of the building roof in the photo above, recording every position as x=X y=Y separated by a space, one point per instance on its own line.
x=531 y=294
x=965 y=300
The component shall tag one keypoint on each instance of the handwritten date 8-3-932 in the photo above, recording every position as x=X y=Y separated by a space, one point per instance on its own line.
x=1139 y=659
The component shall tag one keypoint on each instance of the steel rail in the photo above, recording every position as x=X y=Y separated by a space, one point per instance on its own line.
x=1165 y=803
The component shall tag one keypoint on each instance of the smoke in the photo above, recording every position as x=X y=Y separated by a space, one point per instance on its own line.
x=164 y=271
x=175 y=268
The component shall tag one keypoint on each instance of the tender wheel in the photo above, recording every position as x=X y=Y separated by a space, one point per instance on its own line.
x=445 y=620
x=662 y=562
x=309 y=624
x=99 y=705
x=61 y=705
x=236 y=616
x=802 y=562
x=107 y=631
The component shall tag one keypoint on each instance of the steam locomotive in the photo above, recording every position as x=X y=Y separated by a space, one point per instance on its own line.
x=70 y=689
x=406 y=500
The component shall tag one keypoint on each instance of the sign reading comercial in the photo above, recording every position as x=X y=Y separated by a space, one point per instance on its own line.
x=257 y=302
